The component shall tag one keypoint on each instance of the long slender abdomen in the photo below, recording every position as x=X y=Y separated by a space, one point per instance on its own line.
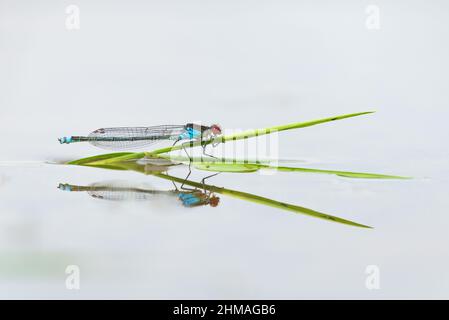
x=133 y=137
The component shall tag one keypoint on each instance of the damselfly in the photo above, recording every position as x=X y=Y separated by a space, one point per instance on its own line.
x=120 y=138
x=126 y=191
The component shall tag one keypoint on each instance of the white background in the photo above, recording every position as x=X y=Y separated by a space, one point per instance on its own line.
x=243 y=64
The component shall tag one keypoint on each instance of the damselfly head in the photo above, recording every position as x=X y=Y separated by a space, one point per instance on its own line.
x=214 y=201
x=216 y=129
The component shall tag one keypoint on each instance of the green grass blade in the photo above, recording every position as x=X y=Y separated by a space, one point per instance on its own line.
x=228 y=165
x=242 y=166
x=258 y=132
x=251 y=167
x=122 y=156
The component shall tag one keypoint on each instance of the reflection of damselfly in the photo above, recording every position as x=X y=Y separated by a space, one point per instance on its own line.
x=136 y=137
x=123 y=190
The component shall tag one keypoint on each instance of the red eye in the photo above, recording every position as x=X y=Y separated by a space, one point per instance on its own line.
x=216 y=129
x=214 y=201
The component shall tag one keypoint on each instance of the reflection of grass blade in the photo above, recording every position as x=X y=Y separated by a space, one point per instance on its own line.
x=101 y=157
x=262 y=200
x=106 y=166
x=131 y=165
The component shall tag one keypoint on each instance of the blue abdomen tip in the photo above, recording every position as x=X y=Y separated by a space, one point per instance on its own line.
x=65 y=140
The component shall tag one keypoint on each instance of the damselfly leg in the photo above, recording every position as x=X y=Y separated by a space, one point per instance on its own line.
x=177 y=140
x=185 y=179
x=185 y=150
x=203 y=181
x=212 y=199
x=206 y=154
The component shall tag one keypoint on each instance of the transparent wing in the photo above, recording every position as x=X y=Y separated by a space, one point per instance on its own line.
x=121 y=191
x=133 y=137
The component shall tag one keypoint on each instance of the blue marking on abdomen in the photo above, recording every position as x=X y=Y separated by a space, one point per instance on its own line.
x=189 y=133
x=65 y=140
x=188 y=199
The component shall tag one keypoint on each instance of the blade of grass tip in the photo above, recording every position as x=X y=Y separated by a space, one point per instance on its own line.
x=290 y=207
x=258 y=132
x=346 y=174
